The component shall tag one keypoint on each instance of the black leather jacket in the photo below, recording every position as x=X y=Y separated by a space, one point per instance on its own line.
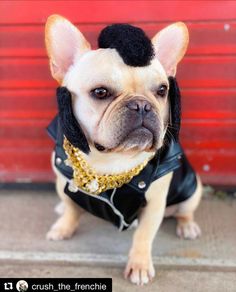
x=121 y=206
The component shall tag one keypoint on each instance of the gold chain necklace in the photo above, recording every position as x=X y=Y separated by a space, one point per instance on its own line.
x=87 y=179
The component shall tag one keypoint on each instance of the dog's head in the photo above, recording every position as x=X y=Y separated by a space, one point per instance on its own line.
x=119 y=92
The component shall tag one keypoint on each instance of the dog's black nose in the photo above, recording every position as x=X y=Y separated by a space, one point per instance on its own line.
x=140 y=106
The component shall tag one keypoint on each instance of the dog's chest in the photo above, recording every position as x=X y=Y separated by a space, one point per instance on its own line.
x=121 y=206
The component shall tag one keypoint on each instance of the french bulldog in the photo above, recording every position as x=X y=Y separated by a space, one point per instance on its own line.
x=116 y=120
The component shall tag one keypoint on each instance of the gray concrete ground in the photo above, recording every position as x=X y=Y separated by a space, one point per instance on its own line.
x=167 y=280
x=99 y=250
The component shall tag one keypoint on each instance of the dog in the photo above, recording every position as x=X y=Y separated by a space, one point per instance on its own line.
x=117 y=153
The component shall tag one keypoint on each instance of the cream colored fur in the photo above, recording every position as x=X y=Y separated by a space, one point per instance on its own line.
x=71 y=65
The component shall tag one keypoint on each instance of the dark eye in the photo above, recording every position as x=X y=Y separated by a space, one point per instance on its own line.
x=100 y=93
x=162 y=90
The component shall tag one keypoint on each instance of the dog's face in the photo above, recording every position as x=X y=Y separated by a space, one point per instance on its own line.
x=119 y=107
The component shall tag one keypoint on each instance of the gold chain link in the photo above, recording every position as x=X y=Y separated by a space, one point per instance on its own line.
x=87 y=179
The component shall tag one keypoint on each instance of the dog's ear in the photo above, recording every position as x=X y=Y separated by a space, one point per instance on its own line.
x=170 y=46
x=63 y=43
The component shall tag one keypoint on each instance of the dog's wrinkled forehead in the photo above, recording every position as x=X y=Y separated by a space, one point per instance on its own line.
x=132 y=44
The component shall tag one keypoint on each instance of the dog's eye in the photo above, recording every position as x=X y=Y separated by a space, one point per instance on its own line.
x=100 y=93
x=162 y=90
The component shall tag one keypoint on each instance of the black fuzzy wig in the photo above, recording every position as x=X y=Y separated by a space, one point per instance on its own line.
x=70 y=127
x=175 y=108
x=131 y=42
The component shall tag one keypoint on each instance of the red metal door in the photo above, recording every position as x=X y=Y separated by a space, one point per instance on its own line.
x=207 y=77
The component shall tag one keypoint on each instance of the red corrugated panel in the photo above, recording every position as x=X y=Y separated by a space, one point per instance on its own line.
x=28 y=12
x=195 y=72
x=207 y=77
x=206 y=38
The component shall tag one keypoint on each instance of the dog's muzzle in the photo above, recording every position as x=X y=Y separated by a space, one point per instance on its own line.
x=138 y=126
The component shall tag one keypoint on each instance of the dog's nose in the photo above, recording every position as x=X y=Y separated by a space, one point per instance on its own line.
x=140 y=106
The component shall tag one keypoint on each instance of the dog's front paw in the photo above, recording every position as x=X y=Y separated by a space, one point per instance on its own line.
x=58 y=234
x=60 y=231
x=188 y=230
x=139 y=269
